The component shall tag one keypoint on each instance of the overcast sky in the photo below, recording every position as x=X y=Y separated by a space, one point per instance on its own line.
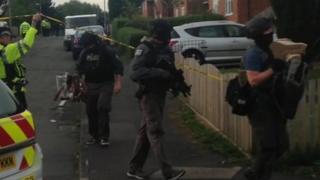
x=100 y=2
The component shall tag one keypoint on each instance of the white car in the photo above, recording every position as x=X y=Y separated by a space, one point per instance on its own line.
x=211 y=41
x=20 y=154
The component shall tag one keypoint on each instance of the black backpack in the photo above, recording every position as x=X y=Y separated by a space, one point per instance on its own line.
x=293 y=87
x=238 y=96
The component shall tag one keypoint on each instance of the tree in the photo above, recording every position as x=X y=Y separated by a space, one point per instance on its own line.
x=76 y=7
x=30 y=7
x=115 y=8
x=130 y=9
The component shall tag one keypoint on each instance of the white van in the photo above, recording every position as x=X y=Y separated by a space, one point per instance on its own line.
x=73 y=22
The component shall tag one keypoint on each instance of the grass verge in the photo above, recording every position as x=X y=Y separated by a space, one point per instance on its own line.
x=208 y=138
x=304 y=164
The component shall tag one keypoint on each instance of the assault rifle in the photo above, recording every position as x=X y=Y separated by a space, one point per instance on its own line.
x=177 y=83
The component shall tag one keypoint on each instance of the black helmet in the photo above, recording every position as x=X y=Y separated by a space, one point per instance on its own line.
x=5 y=31
x=257 y=26
x=89 y=38
x=161 y=29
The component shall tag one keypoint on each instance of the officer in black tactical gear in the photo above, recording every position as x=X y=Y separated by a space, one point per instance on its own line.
x=270 y=137
x=103 y=73
x=153 y=69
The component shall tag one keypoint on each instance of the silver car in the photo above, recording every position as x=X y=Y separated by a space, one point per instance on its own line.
x=213 y=41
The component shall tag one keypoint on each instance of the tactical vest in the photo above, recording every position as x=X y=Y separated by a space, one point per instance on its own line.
x=159 y=58
x=96 y=65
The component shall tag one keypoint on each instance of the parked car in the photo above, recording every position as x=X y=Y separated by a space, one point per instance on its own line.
x=211 y=41
x=76 y=46
x=20 y=154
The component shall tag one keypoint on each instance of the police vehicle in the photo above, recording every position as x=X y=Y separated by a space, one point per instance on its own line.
x=20 y=154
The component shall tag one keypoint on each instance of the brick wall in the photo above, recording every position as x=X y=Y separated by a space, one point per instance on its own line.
x=243 y=10
x=148 y=9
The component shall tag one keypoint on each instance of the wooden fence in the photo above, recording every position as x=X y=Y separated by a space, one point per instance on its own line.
x=208 y=100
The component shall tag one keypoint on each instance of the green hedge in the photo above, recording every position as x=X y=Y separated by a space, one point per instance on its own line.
x=131 y=36
x=140 y=23
x=176 y=21
x=130 y=31
x=144 y=23
x=117 y=24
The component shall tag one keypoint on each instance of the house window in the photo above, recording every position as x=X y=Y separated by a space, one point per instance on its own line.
x=229 y=9
x=215 y=6
x=183 y=11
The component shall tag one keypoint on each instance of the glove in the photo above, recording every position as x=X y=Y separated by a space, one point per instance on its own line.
x=278 y=65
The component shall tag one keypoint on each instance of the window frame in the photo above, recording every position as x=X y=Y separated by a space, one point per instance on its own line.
x=228 y=7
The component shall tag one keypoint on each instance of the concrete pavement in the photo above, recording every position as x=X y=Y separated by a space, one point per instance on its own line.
x=100 y=163
x=57 y=128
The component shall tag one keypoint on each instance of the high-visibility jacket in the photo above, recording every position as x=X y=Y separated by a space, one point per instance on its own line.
x=45 y=24
x=12 y=53
x=24 y=27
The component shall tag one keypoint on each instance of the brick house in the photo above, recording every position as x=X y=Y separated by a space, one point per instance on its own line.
x=148 y=8
x=169 y=8
x=189 y=7
x=157 y=8
x=238 y=10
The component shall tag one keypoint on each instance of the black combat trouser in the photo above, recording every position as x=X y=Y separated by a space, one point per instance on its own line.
x=98 y=107
x=270 y=136
x=150 y=133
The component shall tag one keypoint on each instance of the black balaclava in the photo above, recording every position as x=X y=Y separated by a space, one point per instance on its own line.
x=257 y=29
x=161 y=30
x=88 y=39
x=264 y=40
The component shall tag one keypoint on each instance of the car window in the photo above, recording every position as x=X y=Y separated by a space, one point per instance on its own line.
x=207 y=31
x=8 y=105
x=212 y=31
x=235 y=31
x=174 y=34
x=192 y=31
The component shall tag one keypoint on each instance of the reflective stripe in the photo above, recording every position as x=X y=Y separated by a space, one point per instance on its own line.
x=20 y=48
x=24 y=126
x=14 y=131
x=29 y=155
x=6 y=140
x=28 y=117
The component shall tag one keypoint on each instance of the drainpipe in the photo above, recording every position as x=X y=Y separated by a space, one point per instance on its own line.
x=249 y=9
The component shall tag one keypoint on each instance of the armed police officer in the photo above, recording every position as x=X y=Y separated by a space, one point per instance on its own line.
x=154 y=70
x=12 y=71
x=268 y=123
x=103 y=73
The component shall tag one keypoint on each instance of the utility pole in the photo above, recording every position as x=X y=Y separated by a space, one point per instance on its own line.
x=10 y=13
x=105 y=16
x=40 y=6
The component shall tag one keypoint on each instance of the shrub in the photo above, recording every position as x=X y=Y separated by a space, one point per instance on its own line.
x=130 y=36
x=117 y=24
x=144 y=23
x=140 y=23
x=176 y=21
